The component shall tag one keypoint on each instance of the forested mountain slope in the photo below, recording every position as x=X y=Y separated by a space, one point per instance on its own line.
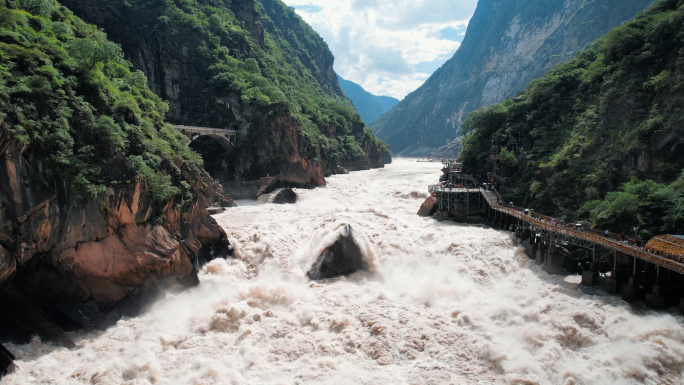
x=368 y=105
x=602 y=134
x=101 y=203
x=255 y=66
x=508 y=44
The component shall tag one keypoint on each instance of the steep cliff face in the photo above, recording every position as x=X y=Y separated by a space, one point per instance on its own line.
x=249 y=66
x=508 y=43
x=282 y=23
x=84 y=263
x=101 y=204
x=600 y=136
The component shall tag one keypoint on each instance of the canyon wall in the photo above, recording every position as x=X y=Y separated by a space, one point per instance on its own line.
x=255 y=67
x=507 y=44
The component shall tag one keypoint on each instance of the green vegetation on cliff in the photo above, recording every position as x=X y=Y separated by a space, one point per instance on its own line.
x=68 y=95
x=601 y=133
x=315 y=97
x=234 y=62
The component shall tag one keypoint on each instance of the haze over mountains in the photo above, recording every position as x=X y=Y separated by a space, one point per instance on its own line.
x=369 y=106
x=507 y=45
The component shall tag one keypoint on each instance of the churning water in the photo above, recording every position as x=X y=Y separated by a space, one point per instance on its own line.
x=443 y=304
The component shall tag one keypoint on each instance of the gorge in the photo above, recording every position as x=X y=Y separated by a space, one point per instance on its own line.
x=103 y=205
x=113 y=271
x=507 y=45
x=441 y=303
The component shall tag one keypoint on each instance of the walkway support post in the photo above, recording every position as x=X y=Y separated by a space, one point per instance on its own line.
x=655 y=299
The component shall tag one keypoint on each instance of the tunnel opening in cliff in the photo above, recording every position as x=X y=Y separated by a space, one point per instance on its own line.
x=215 y=157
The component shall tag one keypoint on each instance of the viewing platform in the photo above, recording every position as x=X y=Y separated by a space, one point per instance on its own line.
x=654 y=271
x=666 y=251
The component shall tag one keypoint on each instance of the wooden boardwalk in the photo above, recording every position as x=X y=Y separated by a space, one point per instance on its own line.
x=557 y=230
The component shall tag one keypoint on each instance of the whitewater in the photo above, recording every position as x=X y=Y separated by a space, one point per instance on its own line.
x=443 y=303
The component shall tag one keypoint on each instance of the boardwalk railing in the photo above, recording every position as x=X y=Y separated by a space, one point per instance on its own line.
x=204 y=129
x=612 y=242
x=560 y=226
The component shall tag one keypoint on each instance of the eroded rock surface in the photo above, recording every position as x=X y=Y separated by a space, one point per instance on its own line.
x=280 y=196
x=342 y=257
x=69 y=263
x=285 y=196
x=429 y=207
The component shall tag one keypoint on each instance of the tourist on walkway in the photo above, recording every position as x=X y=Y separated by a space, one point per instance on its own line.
x=607 y=233
x=623 y=237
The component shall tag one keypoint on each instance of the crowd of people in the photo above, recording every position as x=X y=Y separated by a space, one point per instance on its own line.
x=637 y=242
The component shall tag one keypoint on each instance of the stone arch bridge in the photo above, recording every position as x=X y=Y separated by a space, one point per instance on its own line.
x=225 y=136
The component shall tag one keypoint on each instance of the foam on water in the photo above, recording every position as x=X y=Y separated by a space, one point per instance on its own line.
x=443 y=304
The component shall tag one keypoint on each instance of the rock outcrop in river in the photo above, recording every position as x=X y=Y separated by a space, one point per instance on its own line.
x=342 y=257
x=279 y=196
x=254 y=67
x=429 y=207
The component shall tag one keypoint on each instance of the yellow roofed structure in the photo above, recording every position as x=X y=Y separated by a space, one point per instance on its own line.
x=670 y=246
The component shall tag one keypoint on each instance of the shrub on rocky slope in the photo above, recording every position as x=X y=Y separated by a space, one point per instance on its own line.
x=508 y=44
x=102 y=204
x=253 y=66
x=602 y=135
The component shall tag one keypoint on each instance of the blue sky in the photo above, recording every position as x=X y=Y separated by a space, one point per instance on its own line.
x=390 y=47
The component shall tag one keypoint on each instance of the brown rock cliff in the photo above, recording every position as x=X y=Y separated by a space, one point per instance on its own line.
x=67 y=263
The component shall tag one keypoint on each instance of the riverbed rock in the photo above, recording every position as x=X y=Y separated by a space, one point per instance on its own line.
x=429 y=207
x=341 y=170
x=285 y=196
x=342 y=257
x=6 y=361
x=458 y=213
x=279 y=196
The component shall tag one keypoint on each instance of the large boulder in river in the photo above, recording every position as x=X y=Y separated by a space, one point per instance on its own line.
x=342 y=257
x=279 y=196
x=429 y=207
x=285 y=196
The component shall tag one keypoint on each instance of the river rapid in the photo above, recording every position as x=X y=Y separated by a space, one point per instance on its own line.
x=444 y=304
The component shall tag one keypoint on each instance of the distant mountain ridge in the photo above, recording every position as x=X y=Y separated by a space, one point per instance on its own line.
x=369 y=106
x=508 y=44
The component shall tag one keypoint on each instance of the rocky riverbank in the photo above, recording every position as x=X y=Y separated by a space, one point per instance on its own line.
x=68 y=263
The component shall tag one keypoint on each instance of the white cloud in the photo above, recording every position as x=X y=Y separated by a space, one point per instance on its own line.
x=388 y=46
